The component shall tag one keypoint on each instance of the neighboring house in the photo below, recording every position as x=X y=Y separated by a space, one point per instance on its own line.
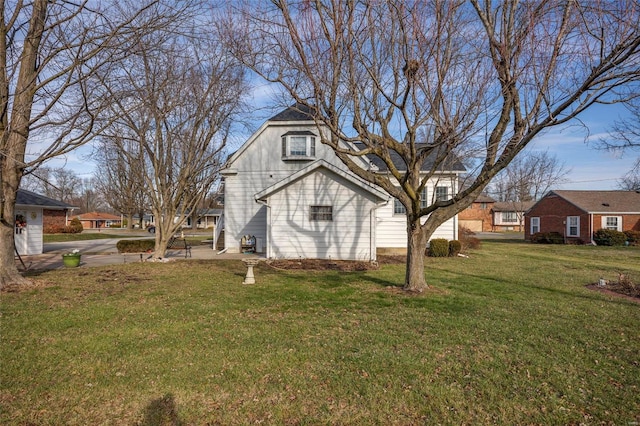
x=98 y=220
x=478 y=216
x=509 y=215
x=577 y=214
x=296 y=198
x=208 y=218
x=34 y=213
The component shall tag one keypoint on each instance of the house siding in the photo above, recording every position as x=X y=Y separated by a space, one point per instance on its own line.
x=29 y=240
x=392 y=228
x=348 y=235
x=261 y=166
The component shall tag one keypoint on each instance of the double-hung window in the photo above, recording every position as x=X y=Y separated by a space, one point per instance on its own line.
x=442 y=193
x=399 y=209
x=299 y=145
x=612 y=222
x=535 y=225
x=573 y=226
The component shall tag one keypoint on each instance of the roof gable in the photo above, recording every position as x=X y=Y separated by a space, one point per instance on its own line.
x=267 y=192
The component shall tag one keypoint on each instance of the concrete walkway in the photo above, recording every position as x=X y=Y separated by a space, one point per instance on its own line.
x=52 y=259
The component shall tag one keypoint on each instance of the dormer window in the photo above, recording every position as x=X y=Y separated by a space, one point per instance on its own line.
x=299 y=146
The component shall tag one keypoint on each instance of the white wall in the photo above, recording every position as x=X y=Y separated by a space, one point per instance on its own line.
x=29 y=240
x=261 y=166
x=349 y=235
x=392 y=228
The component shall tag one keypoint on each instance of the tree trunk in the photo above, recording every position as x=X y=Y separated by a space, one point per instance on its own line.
x=416 y=245
x=9 y=274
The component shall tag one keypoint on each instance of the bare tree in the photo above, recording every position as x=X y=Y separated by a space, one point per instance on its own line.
x=120 y=182
x=528 y=177
x=482 y=76
x=47 y=52
x=170 y=117
x=631 y=180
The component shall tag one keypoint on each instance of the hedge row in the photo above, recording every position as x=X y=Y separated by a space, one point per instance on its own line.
x=135 y=246
x=74 y=227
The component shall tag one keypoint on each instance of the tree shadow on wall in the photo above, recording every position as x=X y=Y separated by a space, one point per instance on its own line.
x=161 y=412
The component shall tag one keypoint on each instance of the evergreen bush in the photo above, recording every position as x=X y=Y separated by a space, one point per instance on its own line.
x=609 y=237
x=633 y=237
x=547 y=238
x=455 y=247
x=439 y=247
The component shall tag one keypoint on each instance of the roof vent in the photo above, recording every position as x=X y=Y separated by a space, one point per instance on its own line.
x=605 y=204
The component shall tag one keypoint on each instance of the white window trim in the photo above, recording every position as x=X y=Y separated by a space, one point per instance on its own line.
x=310 y=146
x=618 y=225
x=577 y=226
x=534 y=223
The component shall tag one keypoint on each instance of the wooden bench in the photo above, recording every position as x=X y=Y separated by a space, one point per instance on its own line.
x=177 y=243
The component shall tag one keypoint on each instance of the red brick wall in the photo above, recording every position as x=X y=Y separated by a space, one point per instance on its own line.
x=553 y=212
x=629 y=221
x=53 y=218
x=476 y=212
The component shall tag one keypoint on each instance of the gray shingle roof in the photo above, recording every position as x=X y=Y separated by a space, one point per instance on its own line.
x=296 y=112
x=603 y=201
x=28 y=198
x=451 y=164
x=510 y=206
x=299 y=112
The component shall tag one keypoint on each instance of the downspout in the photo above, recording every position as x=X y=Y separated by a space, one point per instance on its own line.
x=267 y=243
x=593 y=243
x=373 y=250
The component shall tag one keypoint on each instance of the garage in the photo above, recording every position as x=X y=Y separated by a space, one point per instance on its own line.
x=474 y=225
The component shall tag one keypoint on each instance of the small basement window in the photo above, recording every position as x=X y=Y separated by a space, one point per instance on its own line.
x=298 y=145
x=321 y=213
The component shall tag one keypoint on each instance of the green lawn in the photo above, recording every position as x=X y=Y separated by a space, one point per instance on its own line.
x=63 y=238
x=509 y=336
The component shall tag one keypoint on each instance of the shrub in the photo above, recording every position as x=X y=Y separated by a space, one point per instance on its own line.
x=135 y=246
x=74 y=227
x=609 y=237
x=633 y=237
x=455 y=247
x=439 y=247
x=547 y=238
x=53 y=229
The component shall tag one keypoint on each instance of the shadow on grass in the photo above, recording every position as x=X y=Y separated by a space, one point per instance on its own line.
x=161 y=412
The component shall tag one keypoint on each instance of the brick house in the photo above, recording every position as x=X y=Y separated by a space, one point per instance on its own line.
x=577 y=214
x=477 y=217
x=97 y=220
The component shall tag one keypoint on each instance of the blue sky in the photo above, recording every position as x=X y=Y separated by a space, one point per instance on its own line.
x=573 y=144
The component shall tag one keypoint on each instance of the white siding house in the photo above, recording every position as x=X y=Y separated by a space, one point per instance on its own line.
x=298 y=200
x=28 y=226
